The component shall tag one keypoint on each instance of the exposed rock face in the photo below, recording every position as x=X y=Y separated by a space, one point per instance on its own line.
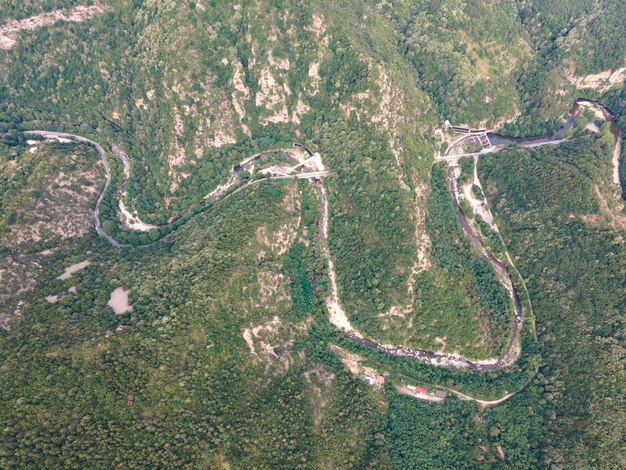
x=599 y=81
x=271 y=343
x=10 y=31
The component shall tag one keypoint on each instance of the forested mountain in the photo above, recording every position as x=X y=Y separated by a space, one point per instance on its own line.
x=222 y=224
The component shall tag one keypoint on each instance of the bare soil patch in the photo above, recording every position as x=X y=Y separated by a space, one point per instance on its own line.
x=272 y=342
x=611 y=211
x=272 y=96
x=353 y=362
x=402 y=390
x=72 y=269
x=272 y=290
x=119 y=301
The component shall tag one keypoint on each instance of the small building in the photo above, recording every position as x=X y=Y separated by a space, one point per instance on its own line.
x=446 y=124
x=416 y=389
x=380 y=380
x=441 y=394
x=368 y=380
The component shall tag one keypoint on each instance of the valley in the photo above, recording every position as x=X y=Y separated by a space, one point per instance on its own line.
x=313 y=169
x=312 y=235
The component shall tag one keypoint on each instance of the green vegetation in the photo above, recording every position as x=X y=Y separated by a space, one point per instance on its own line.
x=39 y=183
x=173 y=381
x=429 y=436
x=226 y=359
x=459 y=435
x=460 y=291
x=574 y=29
x=573 y=260
x=465 y=55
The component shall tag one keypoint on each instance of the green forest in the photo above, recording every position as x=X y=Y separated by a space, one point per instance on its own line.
x=547 y=205
x=202 y=336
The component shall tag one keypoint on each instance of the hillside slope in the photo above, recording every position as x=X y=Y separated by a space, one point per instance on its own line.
x=205 y=339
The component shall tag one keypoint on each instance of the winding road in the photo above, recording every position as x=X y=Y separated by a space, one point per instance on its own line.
x=314 y=172
x=107 y=172
x=498 y=142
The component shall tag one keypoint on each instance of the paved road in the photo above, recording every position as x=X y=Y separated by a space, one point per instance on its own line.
x=501 y=142
x=453 y=158
x=314 y=176
x=308 y=176
x=495 y=149
x=107 y=171
x=440 y=359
